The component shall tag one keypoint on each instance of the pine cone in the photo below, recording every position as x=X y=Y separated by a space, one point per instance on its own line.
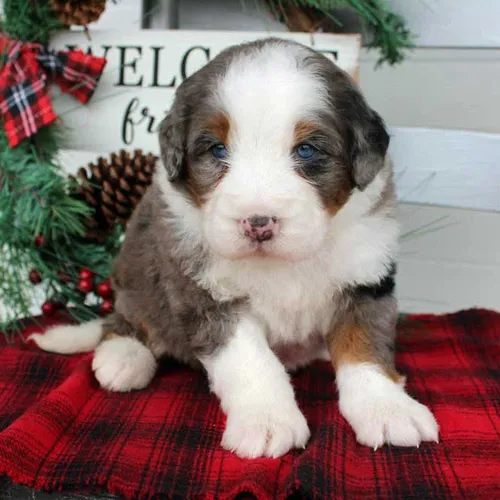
x=78 y=12
x=301 y=18
x=113 y=188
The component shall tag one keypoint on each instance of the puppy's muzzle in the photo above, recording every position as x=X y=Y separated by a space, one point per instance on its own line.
x=259 y=227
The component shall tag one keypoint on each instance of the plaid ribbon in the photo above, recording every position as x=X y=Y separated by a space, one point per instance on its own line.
x=25 y=104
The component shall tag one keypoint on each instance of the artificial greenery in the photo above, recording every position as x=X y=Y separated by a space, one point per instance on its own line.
x=41 y=220
x=41 y=228
x=29 y=20
x=391 y=37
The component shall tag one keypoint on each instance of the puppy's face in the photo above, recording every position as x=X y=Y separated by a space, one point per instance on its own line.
x=268 y=141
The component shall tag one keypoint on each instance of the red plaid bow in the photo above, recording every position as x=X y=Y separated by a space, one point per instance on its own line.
x=24 y=101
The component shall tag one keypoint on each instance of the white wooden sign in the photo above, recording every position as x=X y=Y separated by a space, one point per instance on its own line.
x=143 y=70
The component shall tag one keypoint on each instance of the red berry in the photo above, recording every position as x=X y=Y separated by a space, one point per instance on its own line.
x=49 y=308
x=105 y=289
x=85 y=285
x=86 y=274
x=107 y=306
x=40 y=240
x=35 y=277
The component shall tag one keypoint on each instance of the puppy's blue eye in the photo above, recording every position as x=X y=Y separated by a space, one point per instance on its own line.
x=305 y=151
x=220 y=151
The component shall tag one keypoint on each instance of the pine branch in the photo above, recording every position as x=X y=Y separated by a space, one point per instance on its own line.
x=391 y=36
x=36 y=199
x=30 y=21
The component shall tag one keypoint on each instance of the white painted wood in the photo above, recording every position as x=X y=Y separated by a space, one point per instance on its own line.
x=72 y=159
x=445 y=23
x=452 y=23
x=244 y=15
x=447 y=167
x=160 y=14
x=119 y=14
x=436 y=88
x=128 y=107
x=454 y=265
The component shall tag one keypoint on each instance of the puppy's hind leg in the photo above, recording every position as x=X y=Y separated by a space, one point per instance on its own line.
x=122 y=362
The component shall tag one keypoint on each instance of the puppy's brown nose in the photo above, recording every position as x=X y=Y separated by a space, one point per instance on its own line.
x=260 y=227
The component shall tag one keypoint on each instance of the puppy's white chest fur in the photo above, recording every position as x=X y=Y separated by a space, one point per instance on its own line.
x=292 y=300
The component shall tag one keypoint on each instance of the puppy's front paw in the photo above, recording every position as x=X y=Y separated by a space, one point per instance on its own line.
x=123 y=364
x=270 y=432
x=393 y=418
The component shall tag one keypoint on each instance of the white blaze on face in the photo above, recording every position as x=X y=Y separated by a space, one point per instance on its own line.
x=265 y=94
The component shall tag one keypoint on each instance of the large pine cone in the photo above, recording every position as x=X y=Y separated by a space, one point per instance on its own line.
x=78 y=12
x=113 y=188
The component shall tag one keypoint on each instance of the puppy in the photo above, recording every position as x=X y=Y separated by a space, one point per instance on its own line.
x=266 y=241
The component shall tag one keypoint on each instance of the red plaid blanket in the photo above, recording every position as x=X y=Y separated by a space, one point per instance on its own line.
x=60 y=430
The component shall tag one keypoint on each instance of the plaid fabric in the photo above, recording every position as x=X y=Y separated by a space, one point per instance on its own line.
x=59 y=430
x=24 y=102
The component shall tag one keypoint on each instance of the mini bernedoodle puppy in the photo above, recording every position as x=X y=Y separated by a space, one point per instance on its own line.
x=266 y=241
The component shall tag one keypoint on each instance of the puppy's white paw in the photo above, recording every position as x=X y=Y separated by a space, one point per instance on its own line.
x=264 y=432
x=123 y=364
x=381 y=412
x=394 y=419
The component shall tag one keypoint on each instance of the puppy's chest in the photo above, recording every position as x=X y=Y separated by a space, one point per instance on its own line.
x=293 y=304
x=293 y=314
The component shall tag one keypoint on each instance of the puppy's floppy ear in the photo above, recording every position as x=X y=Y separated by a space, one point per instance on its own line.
x=369 y=142
x=365 y=137
x=172 y=138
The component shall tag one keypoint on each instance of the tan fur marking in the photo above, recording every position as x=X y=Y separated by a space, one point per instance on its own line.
x=334 y=204
x=303 y=130
x=351 y=345
x=109 y=336
x=196 y=192
x=219 y=125
x=141 y=334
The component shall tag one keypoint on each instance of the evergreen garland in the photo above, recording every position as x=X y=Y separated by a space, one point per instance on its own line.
x=41 y=221
x=41 y=229
x=390 y=35
x=29 y=20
